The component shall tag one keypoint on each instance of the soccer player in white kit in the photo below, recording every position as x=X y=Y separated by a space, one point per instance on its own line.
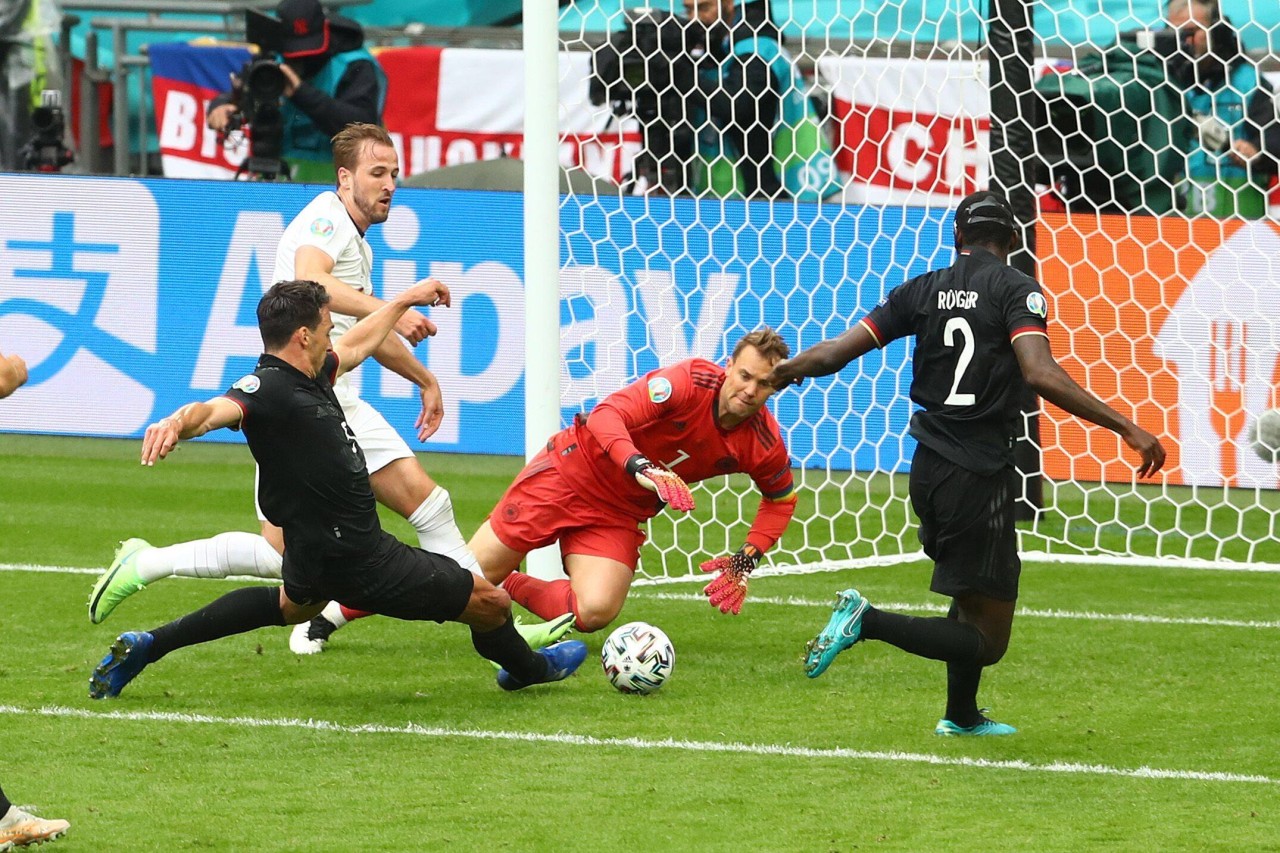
x=326 y=243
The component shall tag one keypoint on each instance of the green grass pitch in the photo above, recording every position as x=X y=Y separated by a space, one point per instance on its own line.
x=1145 y=699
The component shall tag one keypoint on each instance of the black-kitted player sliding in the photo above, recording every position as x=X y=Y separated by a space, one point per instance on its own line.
x=313 y=484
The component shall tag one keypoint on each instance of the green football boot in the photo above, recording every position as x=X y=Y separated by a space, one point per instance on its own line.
x=118 y=582
x=983 y=727
x=844 y=628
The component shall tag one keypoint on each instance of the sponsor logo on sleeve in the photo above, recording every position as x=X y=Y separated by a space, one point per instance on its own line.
x=1037 y=305
x=248 y=384
x=659 y=389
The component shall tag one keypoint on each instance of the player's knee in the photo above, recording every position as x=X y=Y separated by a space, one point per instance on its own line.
x=593 y=618
x=993 y=650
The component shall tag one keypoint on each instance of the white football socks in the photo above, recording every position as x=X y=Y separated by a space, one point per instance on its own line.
x=333 y=612
x=221 y=556
x=439 y=533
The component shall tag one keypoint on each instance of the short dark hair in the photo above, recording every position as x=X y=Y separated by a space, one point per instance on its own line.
x=985 y=218
x=767 y=342
x=287 y=307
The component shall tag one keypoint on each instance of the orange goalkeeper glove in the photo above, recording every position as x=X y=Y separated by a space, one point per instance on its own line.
x=729 y=589
x=667 y=484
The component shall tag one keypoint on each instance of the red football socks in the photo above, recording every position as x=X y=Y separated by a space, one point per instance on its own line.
x=547 y=599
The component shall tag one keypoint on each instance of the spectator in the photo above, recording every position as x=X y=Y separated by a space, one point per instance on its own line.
x=760 y=119
x=1236 y=153
x=331 y=81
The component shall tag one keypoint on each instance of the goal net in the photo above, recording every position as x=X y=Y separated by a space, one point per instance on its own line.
x=792 y=169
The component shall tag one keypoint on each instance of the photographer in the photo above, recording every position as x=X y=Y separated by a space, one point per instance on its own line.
x=764 y=139
x=720 y=105
x=330 y=81
x=1237 y=150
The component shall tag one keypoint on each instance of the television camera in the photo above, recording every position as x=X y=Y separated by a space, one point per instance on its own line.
x=650 y=69
x=46 y=152
x=257 y=93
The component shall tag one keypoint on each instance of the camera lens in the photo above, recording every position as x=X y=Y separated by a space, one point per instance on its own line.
x=45 y=119
x=264 y=80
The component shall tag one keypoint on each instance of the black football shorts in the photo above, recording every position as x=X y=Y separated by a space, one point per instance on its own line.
x=966 y=526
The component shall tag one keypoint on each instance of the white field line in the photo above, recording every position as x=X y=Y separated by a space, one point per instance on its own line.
x=1028 y=557
x=826 y=603
x=1025 y=612
x=566 y=739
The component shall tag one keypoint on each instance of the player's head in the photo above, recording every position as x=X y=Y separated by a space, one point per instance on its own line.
x=295 y=310
x=985 y=219
x=745 y=391
x=367 y=168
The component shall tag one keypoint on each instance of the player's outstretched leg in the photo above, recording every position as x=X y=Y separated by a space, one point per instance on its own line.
x=984 y=727
x=129 y=654
x=118 y=582
x=562 y=660
x=19 y=828
x=542 y=634
x=843 y=629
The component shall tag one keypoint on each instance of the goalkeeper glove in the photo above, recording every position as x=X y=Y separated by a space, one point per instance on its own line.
x=667 y=484
x=729 y=588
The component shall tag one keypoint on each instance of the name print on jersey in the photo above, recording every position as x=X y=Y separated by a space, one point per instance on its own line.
x=951 y=299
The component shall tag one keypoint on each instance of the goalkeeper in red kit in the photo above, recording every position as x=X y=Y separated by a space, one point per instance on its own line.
x=598 y=481
x=594 y=484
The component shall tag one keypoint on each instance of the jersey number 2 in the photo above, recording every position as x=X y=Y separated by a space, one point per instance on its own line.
x=961 y=325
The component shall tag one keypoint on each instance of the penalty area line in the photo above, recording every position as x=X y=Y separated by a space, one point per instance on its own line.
x=566 y=739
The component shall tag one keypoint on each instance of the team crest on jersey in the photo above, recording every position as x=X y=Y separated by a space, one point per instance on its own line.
x=1037 y=305
x=659 y=389
x=322 y=227
x=248 y=384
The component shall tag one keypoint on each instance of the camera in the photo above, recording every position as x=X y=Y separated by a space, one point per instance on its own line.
x=45 y=152
x=650 y=69
x=257 y=93
x=1171 y=47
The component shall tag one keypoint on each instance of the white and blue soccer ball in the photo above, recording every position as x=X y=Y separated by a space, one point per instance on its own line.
x=1264 y=435
x=637 y=658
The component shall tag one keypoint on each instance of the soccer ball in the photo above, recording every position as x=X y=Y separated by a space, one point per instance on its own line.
x=637 y=658
x=1264 y=435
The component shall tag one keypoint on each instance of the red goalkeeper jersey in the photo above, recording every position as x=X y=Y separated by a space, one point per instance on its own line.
x=669 y=416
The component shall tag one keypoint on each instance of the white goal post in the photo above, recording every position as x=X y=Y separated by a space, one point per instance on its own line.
x=1174 y=319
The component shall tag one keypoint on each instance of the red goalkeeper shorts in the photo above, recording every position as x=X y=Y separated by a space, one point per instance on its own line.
x=540 y=508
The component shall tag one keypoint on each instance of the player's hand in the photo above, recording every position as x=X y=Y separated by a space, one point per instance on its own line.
x=13 y=374
x=729 y=589
x=667 y=484
x=412 y=325
x=291 y=79
x=159 y=441
x=219 y=116
x=432 y=413
x=781 y=376
x=1148 y=447
x=1243 y=151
